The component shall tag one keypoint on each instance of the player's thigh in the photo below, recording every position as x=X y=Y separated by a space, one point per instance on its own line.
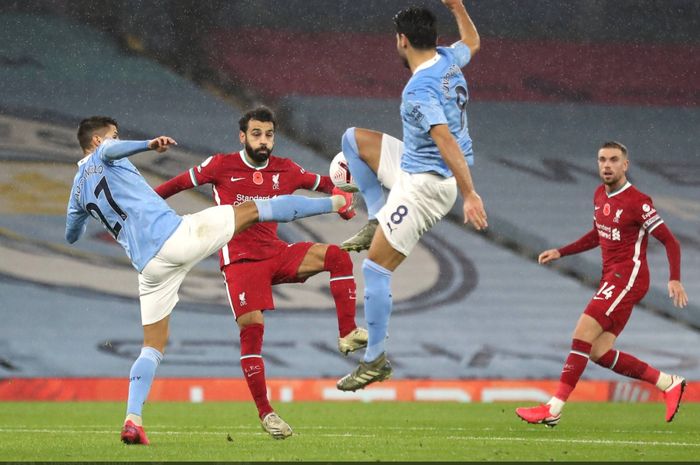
x=612 y=305
x=289 y=262
x=199 y=235
x=389 y=168
x=249 y=286
x=369 y=144
x=313 y=261
x=159 y=283
x=415 y=204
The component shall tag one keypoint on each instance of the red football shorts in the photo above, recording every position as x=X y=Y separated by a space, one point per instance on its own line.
x=249 y=283
x=612 y=305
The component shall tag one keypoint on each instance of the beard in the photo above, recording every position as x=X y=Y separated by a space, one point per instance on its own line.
x=259 y=155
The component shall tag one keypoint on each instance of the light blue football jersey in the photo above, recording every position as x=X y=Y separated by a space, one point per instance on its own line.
x=436 y=94
x=110 y=189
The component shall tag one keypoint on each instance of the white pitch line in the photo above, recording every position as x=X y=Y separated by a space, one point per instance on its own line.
x=579 y=441
x=167 y=433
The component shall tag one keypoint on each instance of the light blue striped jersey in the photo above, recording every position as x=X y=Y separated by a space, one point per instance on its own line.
x=110 y=189
x=435 y=94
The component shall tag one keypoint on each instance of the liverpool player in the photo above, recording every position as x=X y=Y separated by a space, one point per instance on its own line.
x=258 y=259
x=623 y=219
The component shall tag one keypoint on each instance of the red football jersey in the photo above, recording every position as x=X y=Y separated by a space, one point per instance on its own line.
x=624 y=219
x=235 y=181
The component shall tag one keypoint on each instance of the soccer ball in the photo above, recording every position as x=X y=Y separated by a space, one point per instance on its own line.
x=340 y=174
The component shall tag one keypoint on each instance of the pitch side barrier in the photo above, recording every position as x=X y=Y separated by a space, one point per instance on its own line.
x=304 y=390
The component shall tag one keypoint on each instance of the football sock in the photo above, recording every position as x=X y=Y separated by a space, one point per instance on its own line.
x=377 y=306
x=140 y=379
x=664 y=382
x=573 y=368
x=555 y=405
x=285 y=208
x=343 y=287
x=628 y=365
x=363 y=175
x=253 y=366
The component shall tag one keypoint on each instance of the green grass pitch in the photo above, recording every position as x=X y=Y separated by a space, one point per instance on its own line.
x=33 y=431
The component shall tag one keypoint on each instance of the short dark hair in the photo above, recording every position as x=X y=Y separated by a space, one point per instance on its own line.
x=89 y=126
x=261 y=113
x=611 y=144
x=419 y=25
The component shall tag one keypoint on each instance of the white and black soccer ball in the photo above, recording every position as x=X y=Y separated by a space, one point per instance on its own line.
x=339 y=172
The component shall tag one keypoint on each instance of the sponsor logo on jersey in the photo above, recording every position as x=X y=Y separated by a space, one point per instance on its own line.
x=257 y=178
x=616 y=234
x=276 y=182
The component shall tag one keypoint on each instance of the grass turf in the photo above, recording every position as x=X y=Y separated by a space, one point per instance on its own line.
x=33 y=431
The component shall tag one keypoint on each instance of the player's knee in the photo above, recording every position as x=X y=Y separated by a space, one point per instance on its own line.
x=349 y=143
x=377 y=280
x=604 y=359
x=337 y=260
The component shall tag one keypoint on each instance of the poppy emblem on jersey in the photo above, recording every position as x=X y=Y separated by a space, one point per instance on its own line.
x=606 y=209
x=276 y=182
x=257 y=178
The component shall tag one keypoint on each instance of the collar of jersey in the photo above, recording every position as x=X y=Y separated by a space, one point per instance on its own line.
x=428 y=64
x=84 y=159
x=257 y=168
x=622 y=189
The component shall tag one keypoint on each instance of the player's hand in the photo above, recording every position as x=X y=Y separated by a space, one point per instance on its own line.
x=452 y=4
x=677 y=294
x=548 y=256
x=161 y=143
x=474 y=212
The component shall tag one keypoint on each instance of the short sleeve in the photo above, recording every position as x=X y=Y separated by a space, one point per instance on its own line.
x=423 y=109
x=205 y=172
x=461 y=52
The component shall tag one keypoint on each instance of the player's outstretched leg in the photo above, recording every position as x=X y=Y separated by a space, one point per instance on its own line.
x=630 y=366
x=140 y=379
x=370 y=187
x=286 y=208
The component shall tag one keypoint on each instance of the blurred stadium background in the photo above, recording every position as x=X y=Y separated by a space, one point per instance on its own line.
x=476 y=319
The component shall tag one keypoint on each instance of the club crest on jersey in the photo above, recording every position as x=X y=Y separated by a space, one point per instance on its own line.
x=241 y=299
x=257 y=178
x=606 y=209
x=618 y=214
x=276 y=182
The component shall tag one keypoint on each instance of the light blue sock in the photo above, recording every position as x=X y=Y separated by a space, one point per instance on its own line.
x=285 y=208
x=141 y=377
x=364 y=177
x=377 y=306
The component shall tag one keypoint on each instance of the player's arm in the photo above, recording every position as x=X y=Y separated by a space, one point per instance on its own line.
x=114 y=149
x=75 y=220
x=454 y=159
x=196 y=176
x=673 y=252
x=586 y=242
x=467 y=31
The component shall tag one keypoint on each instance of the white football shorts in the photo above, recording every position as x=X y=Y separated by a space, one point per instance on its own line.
x=198 y=236
x=416 y=200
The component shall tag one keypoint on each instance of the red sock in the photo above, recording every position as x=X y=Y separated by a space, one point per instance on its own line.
x=253 y=366
x=342 y=283
x=628 y=365
x=573 y=368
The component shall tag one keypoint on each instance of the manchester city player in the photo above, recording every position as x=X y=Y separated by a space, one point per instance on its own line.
x=423 y=173
x=161 y=245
